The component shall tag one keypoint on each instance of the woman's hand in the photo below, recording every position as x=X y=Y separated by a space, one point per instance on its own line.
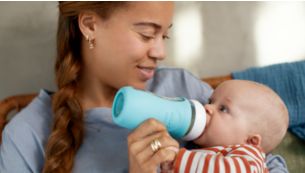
x=141 y=156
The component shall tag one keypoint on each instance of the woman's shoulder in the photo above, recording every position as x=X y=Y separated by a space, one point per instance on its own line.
x=35 y=119
x=178 y=82
x=173 y=78
x=173 y=71
x=24 y=137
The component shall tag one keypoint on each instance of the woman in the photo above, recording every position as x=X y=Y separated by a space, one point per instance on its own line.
x=101 y=47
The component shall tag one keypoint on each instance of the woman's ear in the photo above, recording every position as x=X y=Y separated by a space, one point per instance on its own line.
x=87 y=22
x=255 y=140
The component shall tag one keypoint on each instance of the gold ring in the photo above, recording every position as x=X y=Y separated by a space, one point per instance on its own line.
x=155 y=145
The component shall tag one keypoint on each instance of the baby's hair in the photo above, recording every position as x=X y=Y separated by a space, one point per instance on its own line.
x=274 y=118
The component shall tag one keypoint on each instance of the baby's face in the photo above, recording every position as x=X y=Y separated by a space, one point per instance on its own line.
x=229 y=115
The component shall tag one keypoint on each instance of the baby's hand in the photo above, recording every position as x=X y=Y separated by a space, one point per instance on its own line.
x=167 y=167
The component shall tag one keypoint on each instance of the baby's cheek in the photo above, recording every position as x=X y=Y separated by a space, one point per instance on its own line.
x=208 y=120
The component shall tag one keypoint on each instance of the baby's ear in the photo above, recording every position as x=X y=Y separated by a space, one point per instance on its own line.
x=255 y=140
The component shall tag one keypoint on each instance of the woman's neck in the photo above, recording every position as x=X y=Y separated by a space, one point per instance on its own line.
x=94 y=94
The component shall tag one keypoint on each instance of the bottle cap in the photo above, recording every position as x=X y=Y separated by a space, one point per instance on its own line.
x=199 y=122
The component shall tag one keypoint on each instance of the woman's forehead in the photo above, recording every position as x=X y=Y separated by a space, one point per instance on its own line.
x=158 y=13
x=149 y=9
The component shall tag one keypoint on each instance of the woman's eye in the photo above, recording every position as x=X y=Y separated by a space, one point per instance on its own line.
x=146 y=37
x=165 y=37
x=223 y=109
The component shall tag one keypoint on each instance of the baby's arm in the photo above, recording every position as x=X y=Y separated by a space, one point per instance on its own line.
x=237 y=158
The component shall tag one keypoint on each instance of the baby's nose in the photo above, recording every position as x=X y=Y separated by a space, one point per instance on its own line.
x=209 y=112
x=208 y=109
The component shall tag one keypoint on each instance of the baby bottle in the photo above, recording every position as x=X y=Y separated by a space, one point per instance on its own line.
x=183 y=118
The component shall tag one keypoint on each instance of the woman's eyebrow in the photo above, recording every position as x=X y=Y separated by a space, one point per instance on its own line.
x=151 y=24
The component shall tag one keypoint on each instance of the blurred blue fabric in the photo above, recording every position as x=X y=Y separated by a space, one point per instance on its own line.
x=288 y=80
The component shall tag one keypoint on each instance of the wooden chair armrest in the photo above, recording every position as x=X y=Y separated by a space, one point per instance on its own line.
x=215 y=81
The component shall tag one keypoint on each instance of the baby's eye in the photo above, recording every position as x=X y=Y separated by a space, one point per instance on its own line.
x=223 y=109
x=210 y=101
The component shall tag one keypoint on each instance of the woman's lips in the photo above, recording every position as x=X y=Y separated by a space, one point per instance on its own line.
x=146 y=73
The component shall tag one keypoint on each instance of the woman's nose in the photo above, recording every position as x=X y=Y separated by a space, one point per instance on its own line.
x=157 y=50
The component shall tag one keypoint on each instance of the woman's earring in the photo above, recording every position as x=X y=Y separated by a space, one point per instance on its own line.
x=91 y=42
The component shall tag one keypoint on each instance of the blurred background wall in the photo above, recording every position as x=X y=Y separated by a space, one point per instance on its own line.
x=208 y=39
x=27 y=46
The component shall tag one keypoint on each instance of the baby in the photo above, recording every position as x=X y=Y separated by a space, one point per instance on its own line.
x=245 y=120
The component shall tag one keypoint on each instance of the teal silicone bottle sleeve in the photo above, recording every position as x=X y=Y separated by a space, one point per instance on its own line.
x=131 y=107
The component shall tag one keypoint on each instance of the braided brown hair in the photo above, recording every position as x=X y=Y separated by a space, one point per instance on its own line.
x=68 y=128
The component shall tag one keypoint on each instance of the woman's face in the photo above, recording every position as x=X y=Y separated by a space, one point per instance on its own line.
x=129 y=44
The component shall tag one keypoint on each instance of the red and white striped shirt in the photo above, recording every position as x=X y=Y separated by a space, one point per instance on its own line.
x=221 y=159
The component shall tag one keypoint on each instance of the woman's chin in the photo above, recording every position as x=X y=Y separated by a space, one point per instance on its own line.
x=141 y=85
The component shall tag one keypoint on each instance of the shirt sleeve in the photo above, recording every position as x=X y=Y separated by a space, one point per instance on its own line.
x=11 y=159
x=21 y=149
x=233 y=159
x=276 y=164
